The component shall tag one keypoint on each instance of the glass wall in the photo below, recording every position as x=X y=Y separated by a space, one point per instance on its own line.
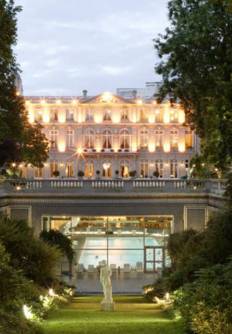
x=124 y=242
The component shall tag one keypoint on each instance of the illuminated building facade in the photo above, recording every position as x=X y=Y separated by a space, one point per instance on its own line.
x=108 y=136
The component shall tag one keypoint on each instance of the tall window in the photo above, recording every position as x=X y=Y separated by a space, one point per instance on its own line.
x=124 y=168
x=89 y=115
x=188 y=138
x=144 y=138
x=69 y=115
x=124 y=116
x=124 y=139
x=107 y=139
x=174 y=136
x=173 y=168
x=89 y=169
x=159 y=167
x=107 y=115
x=53 y=167
x=53 y=137
x=69 y=170
x=54 y=115
x=39 y=172
x=159 y=137
x=70 y=135
x=144 y=168
x=89 y=138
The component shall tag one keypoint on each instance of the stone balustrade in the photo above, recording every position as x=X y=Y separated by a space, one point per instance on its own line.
x=216 y=187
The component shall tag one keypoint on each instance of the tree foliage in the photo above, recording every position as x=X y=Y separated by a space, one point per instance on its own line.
x=196 y=66
x=28 y=142
x=35 y=258
x=58 y=239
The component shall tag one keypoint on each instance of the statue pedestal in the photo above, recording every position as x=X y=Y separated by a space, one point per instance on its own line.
x=108 y=307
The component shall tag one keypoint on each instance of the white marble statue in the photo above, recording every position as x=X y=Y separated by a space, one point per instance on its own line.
x=105 y=279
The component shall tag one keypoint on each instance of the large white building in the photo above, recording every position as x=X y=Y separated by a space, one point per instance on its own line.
x=108 y=136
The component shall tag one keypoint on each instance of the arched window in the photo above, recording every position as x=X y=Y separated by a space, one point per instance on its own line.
x=53 y=137
x=124 y=115
x=124 y=168
x=107 y=115
x=89 y=138
x=89 y=169
x=144 y=138
x=124 y=139
x=107 y=139
x=89 y=115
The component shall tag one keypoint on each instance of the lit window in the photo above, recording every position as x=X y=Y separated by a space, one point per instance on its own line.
x=107 y=115
x=144 y=168
x=124 y=116
x=39 y=172
x=144 y=138
x=53 y=137
x=107 y=139
x=53 y=168
x=124 y=139
x=173 y=168
x=89 y=138
x=159 y=137
x=174 y=136
x=89 y=169
x=70 y=135
x=69 y=170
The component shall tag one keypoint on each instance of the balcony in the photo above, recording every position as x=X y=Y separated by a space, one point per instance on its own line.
x=101 y=186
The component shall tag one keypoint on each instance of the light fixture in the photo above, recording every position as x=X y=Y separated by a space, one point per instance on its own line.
x=107 y=97
x=139 y=101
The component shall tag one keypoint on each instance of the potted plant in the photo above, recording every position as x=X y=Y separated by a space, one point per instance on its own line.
x=56 y=173
x=98 y=173
x=156 y=173
x=80 y=174
x=117 y=173
x=132 y=173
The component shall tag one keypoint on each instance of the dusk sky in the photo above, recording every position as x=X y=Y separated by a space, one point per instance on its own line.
x=65 y=46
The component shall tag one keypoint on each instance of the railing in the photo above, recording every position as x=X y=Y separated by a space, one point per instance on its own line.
x=216 y=187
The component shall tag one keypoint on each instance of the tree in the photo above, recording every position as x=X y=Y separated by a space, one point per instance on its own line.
x=63 y=243
x=196 y=66
x=36 y=259
x=27 y=141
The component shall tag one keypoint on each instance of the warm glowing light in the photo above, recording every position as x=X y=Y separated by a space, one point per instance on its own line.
x=21 y=166
x=51 y=293
x=151 y=117
x=116 y=117
x=28 y=102
x=107 y=97
x=139 y=101
x=46 y=164
x=18 y=93
x=13 y=164
x=151 y=147
x=61 y=116
x=61 y=146
x=181 y=116
x=166 y=147
x=61 y=165
x=98 y=117
x=43 y=102
x=181 y=147
x=18 y=188
x=166 y=116
x=31 y=116
x=134 y=147
x=74 y=102
x=46 y=116
x=58 y=101
x=28 y=314
x=79 y=150
x=98 y=148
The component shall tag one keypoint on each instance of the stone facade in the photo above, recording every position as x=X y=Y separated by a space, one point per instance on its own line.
x=108 y=136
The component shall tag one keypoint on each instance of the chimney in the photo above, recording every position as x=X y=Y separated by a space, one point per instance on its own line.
x=85 y=93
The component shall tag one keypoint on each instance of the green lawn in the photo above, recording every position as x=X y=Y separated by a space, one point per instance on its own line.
x=132 y=315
